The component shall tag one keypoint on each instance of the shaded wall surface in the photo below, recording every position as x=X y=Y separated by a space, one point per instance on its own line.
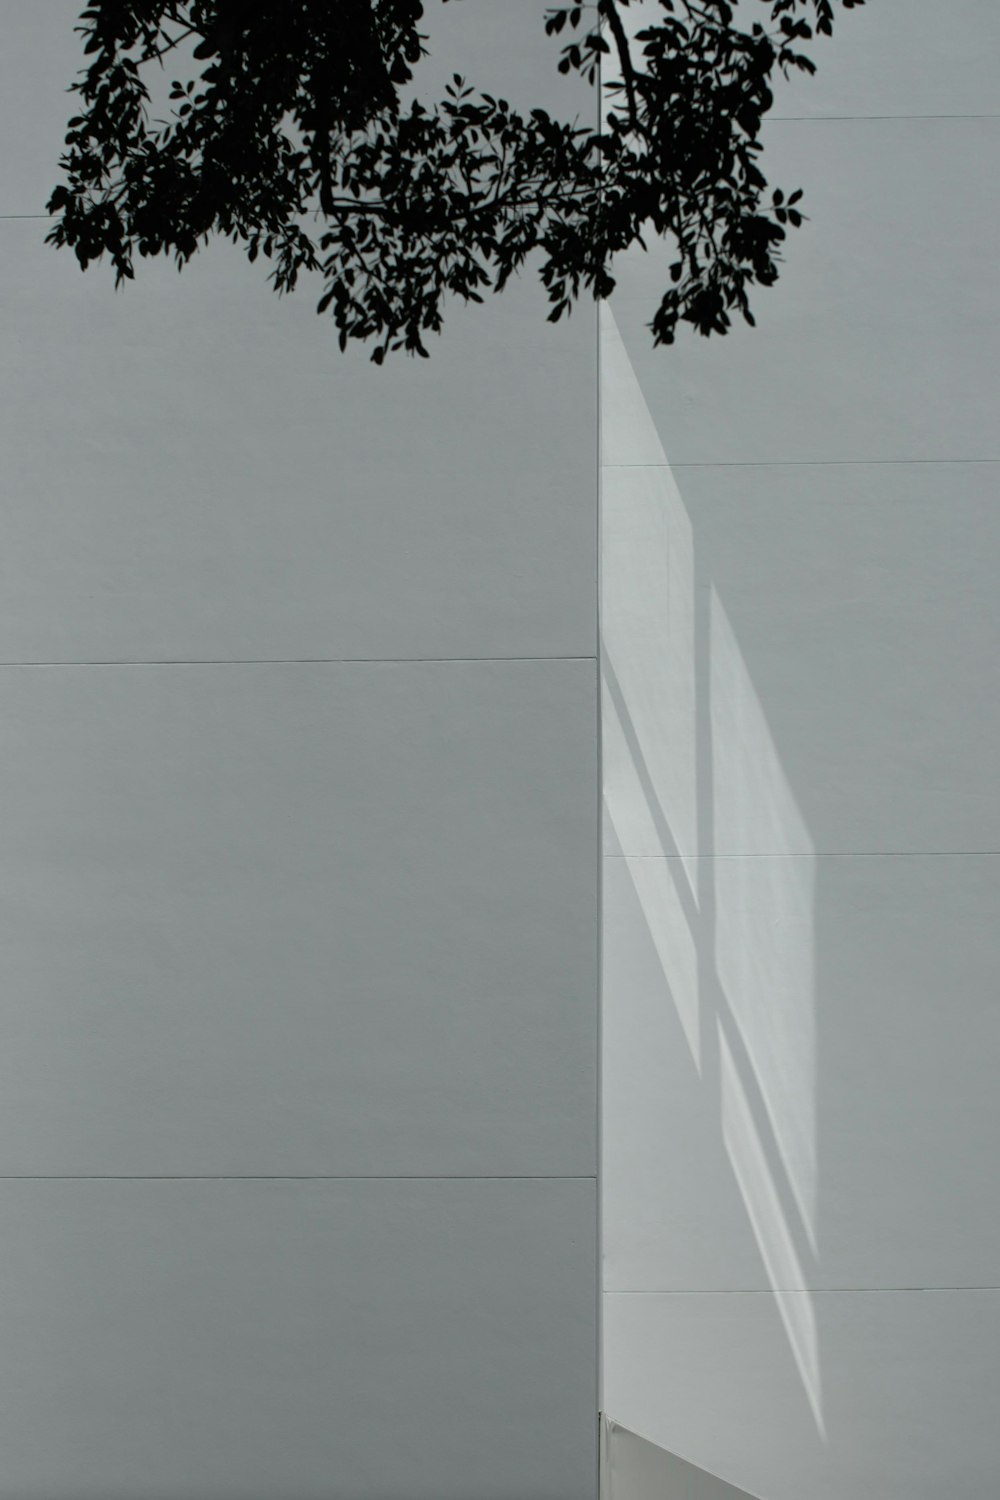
x=801 y=542
x=298 y=798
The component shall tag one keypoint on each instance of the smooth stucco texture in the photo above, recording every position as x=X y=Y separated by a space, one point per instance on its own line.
x=300 y=1338
x=800 y=632
x=632 y=1468
x=238 y=979
x=299 y=797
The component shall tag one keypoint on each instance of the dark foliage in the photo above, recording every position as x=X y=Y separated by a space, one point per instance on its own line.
x=287 y=134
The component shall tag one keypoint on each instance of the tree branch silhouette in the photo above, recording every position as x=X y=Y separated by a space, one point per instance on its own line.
x=288 y=115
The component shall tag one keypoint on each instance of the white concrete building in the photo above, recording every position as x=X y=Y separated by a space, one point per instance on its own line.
x=300 y=744
x=300 y=842
x=801 y=999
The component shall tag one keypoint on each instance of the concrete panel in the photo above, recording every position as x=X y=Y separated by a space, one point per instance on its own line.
x=908 y=1050
x=793 y=1065
x=880 y=339
x=906 y=1397
x=191 y=470
x=299 y=919
x=892 y=57
x=41 y=57
x=901 y=57
x=795 y=657
x=672 y=1213
x=310 y=1340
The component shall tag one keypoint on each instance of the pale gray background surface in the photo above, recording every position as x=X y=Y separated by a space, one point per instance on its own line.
x=632 y=1468
x=238 y=978
x=172 y=1340
x=298 y=741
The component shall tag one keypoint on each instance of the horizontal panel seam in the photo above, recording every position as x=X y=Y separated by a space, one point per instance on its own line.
x=285 y=661
x=759 y=1291
x=293 y=1177
x=802 y=463
x=812 y=119
x=830 y=854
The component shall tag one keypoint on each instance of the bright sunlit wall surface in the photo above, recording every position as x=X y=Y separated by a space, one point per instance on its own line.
x=801 y=535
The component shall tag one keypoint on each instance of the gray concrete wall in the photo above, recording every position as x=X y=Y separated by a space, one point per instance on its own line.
x=801 y=549
x=298 y=791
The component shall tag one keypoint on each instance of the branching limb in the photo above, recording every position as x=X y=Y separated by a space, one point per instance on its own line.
x=609 y=10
